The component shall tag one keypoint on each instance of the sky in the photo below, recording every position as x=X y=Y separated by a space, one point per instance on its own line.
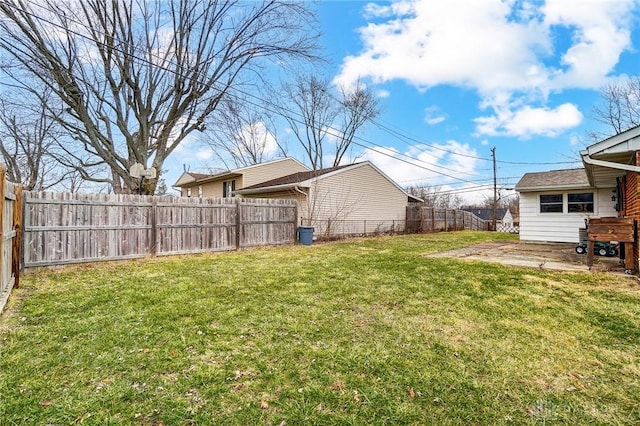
x=457 y=78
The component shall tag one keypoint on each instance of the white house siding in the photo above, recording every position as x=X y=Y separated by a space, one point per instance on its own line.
x=559 y=227
x=356 y=200
x=254 y=175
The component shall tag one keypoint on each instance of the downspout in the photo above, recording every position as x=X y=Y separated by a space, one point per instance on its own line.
x=300 y=191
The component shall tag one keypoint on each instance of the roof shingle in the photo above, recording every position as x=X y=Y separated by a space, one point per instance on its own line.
x=554 y=179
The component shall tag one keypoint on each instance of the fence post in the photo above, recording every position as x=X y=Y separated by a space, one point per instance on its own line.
x=3 y=188
x=154 y=227
x=238 y=224
x=17 y=239
x=433 y=219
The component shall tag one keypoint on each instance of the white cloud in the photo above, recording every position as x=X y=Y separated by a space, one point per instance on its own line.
x=461 y=42
x=432 y=115
x=507 y=51
x=528 y=121
x=434 y=165
x=204 y=154
x=600 y=31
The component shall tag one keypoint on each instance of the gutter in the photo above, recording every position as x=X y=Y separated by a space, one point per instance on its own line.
x=266 y=189
x=609 y=164
x=552 y=188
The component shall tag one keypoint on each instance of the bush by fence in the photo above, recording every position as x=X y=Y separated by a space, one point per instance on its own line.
x=71 y=228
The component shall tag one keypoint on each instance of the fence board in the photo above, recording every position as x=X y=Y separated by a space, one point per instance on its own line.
x=429 y=219
x=71 y=228
x=10 y=218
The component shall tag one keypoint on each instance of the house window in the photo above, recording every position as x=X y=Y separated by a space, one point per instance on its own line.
x=188 y=192
x=200 y=191
x=228 y=187
x=580 y=203
x=551 y=203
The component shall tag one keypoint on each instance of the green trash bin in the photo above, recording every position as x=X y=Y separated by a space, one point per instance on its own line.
x=305 y=235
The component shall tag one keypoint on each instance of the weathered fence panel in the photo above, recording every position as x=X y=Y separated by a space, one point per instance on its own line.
x=265 y=221
x=429 y=219
x=71 y=228
x=10 y=219
x=329 y=228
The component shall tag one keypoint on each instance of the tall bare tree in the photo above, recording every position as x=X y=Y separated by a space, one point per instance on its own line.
x=619 y=109
x=242 y=133
x=136 y=77
x=27 y=137
x=325 y=123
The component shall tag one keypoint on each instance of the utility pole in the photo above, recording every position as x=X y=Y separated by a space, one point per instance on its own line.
x=495 y=187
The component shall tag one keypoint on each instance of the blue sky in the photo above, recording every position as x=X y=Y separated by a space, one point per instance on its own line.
x=458 y=77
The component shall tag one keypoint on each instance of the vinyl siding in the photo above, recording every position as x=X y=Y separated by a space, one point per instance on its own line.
x=265 y=172
x=251 y=175
x=356 y=194
x=559 y=227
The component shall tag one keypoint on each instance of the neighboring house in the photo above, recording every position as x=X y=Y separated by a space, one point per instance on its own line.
x=225 y=183
x=507 y=219
x=350 y=199
x=487 y=213
x=555 y=204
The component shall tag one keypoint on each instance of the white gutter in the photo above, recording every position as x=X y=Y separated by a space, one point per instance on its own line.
x=610 y=164
x=266 y=189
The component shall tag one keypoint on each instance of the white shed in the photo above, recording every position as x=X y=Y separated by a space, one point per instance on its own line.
x=555 y=204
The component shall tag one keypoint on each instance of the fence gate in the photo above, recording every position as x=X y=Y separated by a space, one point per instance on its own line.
x=10 y=218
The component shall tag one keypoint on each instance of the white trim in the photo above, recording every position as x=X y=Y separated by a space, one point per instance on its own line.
x=242 y=169
x=609 y=164
x=553 y=188
x=626 y=136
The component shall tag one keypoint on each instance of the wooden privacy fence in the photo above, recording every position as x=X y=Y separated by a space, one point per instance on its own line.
x=10 y=218
x=429 y=219
x=62 y=228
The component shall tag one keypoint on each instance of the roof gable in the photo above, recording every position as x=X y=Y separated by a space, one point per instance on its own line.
x=296 y=178
x=306 y=179
x=199 y=178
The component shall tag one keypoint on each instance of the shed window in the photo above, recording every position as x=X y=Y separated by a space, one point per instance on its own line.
x=580 y=203
x=551 y=203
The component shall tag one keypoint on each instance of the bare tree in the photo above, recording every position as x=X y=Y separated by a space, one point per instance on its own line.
x=620 y=107
x=434 y=196
x=324 y=123
x=136 y=77
x=242 y=133
x=27 y=135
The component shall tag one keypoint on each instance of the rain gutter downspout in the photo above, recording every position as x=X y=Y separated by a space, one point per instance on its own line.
x=300 y=191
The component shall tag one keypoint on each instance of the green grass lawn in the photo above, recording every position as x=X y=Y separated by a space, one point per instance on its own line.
x=357 y=332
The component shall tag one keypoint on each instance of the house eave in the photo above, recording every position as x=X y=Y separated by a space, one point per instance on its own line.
x=267 y=189
x=553 y=188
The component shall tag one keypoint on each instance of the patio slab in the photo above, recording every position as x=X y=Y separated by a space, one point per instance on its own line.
x=545 y=256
